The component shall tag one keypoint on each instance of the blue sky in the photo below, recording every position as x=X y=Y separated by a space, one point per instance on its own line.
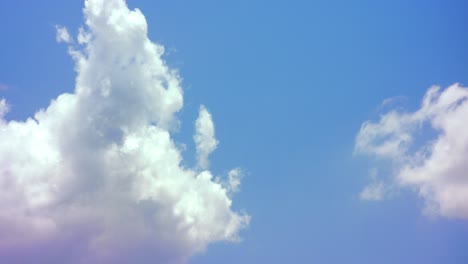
x=288 y=84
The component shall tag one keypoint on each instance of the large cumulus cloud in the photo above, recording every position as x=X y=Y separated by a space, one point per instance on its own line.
x=428 y=150
x=95 y=177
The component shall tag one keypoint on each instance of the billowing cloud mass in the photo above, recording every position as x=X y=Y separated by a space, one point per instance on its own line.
x=95 y=177
x=427 y=149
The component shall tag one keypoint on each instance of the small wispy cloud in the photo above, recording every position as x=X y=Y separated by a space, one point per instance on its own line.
x=373 y=192
x=62 y=34
x=376 y=190
x=204 y=137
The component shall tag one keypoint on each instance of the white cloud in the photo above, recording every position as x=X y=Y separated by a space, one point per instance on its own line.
x=234 y=180
x=95 y=177
x=376 y=190
x=62 y=34
x=4 y=107
x=373 y=192
x=434 y=165
x=204 y=137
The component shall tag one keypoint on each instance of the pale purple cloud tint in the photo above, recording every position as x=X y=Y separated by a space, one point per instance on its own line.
x=3 y=87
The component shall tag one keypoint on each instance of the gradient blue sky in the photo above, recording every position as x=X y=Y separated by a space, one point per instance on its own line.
x=288 y=83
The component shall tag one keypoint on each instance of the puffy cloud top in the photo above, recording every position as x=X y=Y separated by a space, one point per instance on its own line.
x=95 y=177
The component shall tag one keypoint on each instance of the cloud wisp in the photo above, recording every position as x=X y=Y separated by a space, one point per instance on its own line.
x=204 y=137
x=62 y=34
x=427 y=148
x=95 y=177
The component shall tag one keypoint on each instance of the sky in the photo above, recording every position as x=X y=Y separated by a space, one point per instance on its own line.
x=242 y=131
